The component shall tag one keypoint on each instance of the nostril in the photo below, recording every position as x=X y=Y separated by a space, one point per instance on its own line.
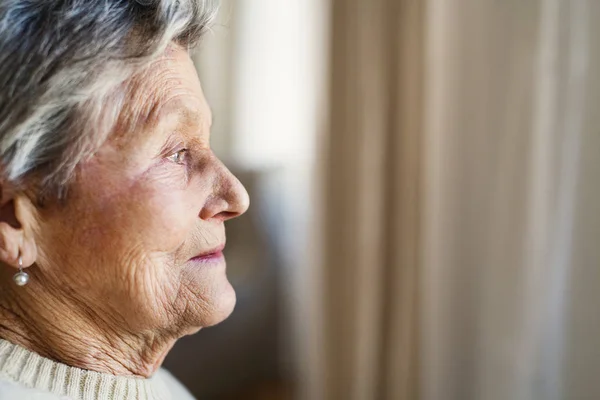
x=227 y=215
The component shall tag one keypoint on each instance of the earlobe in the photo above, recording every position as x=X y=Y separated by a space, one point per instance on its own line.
x=16 y=236
x=10 y=239
x=28 y=250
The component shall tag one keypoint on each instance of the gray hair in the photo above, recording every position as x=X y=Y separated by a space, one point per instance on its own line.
x=61 y=65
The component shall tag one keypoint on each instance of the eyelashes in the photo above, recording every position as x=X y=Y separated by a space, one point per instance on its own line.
x=179 y=157
x=190 y=155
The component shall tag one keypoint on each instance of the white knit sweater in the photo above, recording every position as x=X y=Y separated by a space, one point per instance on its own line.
x=25 y=375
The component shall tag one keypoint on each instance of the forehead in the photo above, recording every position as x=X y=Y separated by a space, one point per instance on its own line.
x=168 y=87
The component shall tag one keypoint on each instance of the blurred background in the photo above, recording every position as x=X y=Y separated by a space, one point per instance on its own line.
x=425 y=184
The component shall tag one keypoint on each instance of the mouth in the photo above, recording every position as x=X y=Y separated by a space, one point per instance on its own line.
x=213 y=255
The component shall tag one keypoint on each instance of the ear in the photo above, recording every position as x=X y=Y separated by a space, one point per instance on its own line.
x=16 y=233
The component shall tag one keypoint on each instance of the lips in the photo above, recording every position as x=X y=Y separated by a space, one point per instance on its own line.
x=214 y=254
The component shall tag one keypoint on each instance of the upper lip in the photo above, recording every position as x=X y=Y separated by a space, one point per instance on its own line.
x=207 y=253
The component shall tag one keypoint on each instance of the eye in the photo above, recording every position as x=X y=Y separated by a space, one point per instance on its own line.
x=178 y=157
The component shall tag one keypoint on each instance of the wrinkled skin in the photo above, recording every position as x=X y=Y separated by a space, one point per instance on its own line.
x=115 y=277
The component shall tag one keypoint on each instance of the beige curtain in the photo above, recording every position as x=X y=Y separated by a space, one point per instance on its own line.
x=372 y=189
x=461 y=215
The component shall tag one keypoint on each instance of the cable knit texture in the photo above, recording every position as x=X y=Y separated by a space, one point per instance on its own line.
x=28 y=375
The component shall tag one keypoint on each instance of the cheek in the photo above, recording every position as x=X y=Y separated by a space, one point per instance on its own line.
x=163 y=218
x=159 y=218
x=121 y=225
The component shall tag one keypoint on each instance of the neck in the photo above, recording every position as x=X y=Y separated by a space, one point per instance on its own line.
x=77 y=337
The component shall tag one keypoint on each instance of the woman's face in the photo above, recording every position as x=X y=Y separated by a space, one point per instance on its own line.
x=138 y=241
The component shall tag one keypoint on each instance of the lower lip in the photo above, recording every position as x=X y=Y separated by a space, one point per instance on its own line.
x=212 y=258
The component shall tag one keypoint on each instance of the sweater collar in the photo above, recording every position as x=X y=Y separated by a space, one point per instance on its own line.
x=31 y=370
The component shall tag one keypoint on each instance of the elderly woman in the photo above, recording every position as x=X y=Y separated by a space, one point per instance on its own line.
x=112 y=204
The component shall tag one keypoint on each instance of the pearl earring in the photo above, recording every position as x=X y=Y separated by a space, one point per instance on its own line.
x=21 y=278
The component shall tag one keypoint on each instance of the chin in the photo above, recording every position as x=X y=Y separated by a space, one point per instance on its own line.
x=210 y=298
x=214 y=306
x=212 y=313
x=223 y=306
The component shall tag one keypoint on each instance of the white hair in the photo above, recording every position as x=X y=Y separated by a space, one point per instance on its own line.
x=61 y=64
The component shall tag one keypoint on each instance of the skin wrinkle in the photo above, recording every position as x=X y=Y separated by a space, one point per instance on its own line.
x=47 y=321
x=151 y=105
x=112 y=287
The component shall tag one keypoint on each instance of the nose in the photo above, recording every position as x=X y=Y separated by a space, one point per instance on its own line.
x=230 y=198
